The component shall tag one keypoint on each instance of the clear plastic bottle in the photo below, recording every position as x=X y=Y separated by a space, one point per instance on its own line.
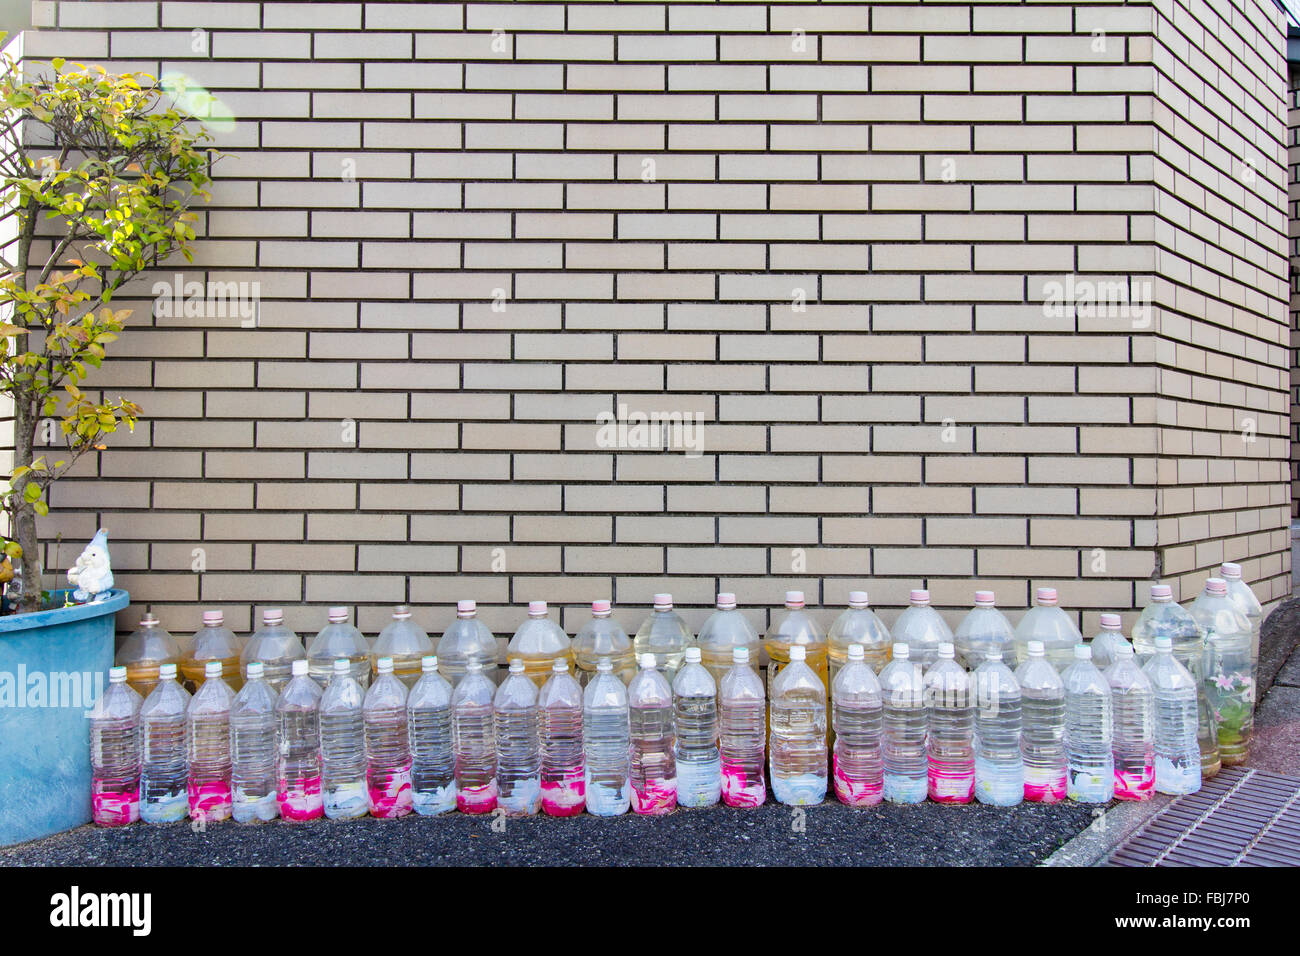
x=405 y=643
x=902 y=689
x=857 y=624
x=207 y=740
x=519 y=745
x=665 y=635
x=1240 y=594
x=795 y=627
x=474 y=739
x=538 y=642
x=606 y=743
x=726 y=629
x=1177 y=753
x=999 y=764
x=742 y=732
x=275 y=647
x=1046 y=623
x=653 y=770
x=253 y=751
x=1042 y=722
x=559 y=705
x=115 y=753
x=1089 y=731
x=1229 y=674
x=695 y=728
x=298 y=769
x=343 y=743
x=147 y=649
x=1163 y=617
x=466 y=639
x=433 y=757
x=388 y=744
x=1133 y=703
x=603 y=637
x=922 y=629
x=982 y=629
x=950 y=729
x=1110 y=637
x=858 y=718
x=163 y=773
x=213 y=642
x=339 y=639
x=798 y=743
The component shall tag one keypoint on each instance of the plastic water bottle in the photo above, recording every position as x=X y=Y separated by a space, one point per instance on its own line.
x=388 y=744
x=115 y=753
x=253 y=752
x=695 y=727
x=403 y=642
x=519 y=745
x=275 y=647
x=1046 y=623
x=1240 y=594
x=538 y=643
x=949 y=739
x=467 y=639
x=795 y=627
x=162 y=729
x=564 y=791
x=606 y=743
x=857 y=715
x=297 y=720
x=665 y=635
x=146 y=650
x=922 y=629
x=858 y=624
x=999 y=765
x=650 y=711
x=1229 y=676
x=982 y=629
x=475 y=741
x=1042 y=721
x=343 y=743
x=602 y=636
x=213 y=642
x=1133 y=701
x=1110 y=637
x=1177 y=753
x=1164 y=617
x=902 y=690
x=339 y=639
x=1089 y=731
x=433 y=758
x=742 y=732
x=726 y=629
x=207 y=735
x=798 y=743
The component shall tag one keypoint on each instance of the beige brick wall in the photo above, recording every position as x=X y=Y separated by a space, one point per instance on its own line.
x=828 y=229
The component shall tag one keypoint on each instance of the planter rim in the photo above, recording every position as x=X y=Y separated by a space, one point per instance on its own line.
x=12 y=623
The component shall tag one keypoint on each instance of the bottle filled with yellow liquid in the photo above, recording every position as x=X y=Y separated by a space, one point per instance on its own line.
x=406 y=643
x=795 y=626
x=213 y=642
x=602 y=636
x=724 y=631
x=146 y=650
x=858 y=625
x=538 y=643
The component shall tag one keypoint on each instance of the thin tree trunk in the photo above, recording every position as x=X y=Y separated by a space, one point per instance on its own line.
x=24 y=530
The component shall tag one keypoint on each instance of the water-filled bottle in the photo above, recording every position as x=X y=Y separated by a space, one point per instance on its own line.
x=950 y=745
x=1089 y=723
x=253 y=752
x=388 y=744
x=275 y=646
x=653 y=770
x=1042 y=721
x=163 y=796
x=665 y=635
x=519 y=745
x=475 y=741
x=606 y=743
x=433 y=755
x=726 y=629
x=742 y=732
x=857 y=715
x=538 y=642
x=339 y=638
x=213 y=642
x=902 y=690
x=602 y=636
x=207 y=720
x=115 y=753
x=797 y=748
x=1048 y=624
x=403 y=642
x=999 y=764
x=1133 y=706
x=922 y=629
x=695 y=727
x=982 y=629
x=343 y=742
x=297 y=719
x=467 y=638
x=858 y=624
x=559 y=705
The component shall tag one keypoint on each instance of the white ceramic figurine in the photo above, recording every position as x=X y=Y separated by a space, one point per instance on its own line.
x=92 y=575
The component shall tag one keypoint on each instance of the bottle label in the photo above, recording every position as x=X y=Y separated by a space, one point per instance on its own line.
x=250 y=808
x=900 y=788
x=522 y=797
x=565 y=797
x=739 y=790
x=658 y=796
x=699 y=784
x=390 y=792
x=1092 y=786
x=114 y=808
x=477 y=799
x=1044 y=784
x=432 y=801
x=855 y=793
x=210 y=801
x=301 y=800
x=799 y=790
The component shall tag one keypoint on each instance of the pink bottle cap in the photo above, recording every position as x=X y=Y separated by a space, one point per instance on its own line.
x=1230 y=570
x=726 y=601
x=1111 y=621
x=794 y=599
x=537 y=609
x=273 y=615
x=401 y=613
x=1216 y=586
x=338 y=615
x=920 y=597
x=984 y=598
x=1162 y=592
x=466 y=608
x=213 y=618
x=1045 y=596
x=600 y=607
x=663 y=602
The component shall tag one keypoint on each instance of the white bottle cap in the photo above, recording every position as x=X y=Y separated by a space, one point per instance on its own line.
x=168 y=671
x=338 y=615
x=255 y=669
x=1164 y=643
x=901 y=651
x=1124 y=649
x=1035 y=649
x=561 y=666
x=1162 y=592
x=647 y=661
x=947 y=651
x=1230 y=570
x=117 y=675
x=213 y=618
x=984 y=599
x=148 y=620
x=726 y=601
x=793 y=599
x=466 y=608
x=342 y=665
x=213 y=669
x=858 y=599
x=604 y=666
x=663 y=602
x=600 y=608
x=428 y=663
x=537 y=609
x=298 y=668
x=401 y=613
x=273 y=616
x=1111 y=622
x=692 y=655
x=919 y=597
x=798 y=653
x=857 y=653
x=1082 y=652
x=384 y=665
x=517 y=665
x=1046 y=596
x=1216 y=586
x=739 y=655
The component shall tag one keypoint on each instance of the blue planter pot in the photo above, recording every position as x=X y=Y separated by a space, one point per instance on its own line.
x=53 y=666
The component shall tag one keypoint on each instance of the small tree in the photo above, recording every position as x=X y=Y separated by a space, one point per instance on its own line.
x=110 y=166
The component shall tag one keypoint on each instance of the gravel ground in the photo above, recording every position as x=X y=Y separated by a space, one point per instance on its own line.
x=925 y=834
